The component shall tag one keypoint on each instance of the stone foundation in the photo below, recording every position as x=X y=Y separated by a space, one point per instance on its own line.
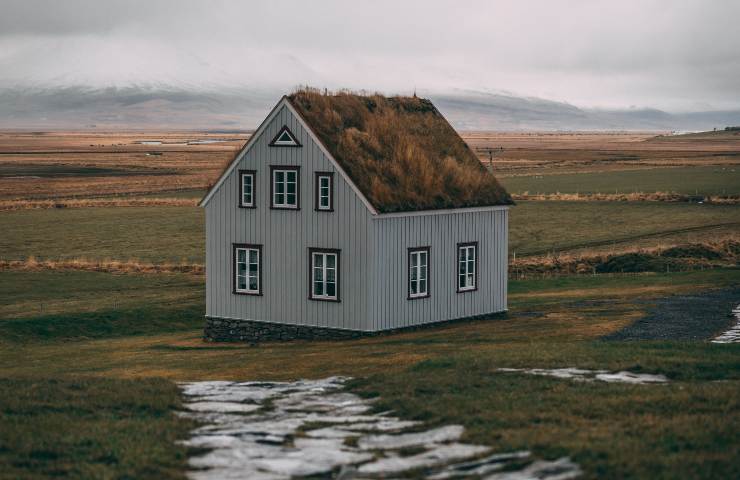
x=250 y=331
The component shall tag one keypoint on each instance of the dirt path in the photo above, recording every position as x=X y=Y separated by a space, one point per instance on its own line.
x=699 y=316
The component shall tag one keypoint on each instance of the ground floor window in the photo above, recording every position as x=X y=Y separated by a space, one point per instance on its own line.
x=467 y=266
x=418 y=272
x=248 y=269
x=324 y=274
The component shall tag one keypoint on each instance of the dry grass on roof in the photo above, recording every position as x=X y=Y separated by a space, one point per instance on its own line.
x=400 y=152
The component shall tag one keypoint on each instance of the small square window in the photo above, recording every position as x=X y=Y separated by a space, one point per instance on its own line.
x=285 y=187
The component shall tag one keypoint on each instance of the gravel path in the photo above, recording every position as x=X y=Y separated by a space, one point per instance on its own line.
x=685 y=317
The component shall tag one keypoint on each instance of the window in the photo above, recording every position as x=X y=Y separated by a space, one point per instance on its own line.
x=323 y=274
x=285 y=191
x=324 y=189
x=248 y=269
x=418 y=272
x=467 y=266
x=246 y=188
x=285 y=138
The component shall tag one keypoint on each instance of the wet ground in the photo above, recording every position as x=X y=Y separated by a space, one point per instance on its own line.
x=582 y=375
x=702 y=316
x=316 y=429
x=733 y=334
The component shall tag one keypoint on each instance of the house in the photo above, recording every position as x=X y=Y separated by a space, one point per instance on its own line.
x=346 y=214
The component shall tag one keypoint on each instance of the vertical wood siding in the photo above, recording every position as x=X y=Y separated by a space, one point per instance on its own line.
x=374 y=259
x=286 y=236
x=390 y=306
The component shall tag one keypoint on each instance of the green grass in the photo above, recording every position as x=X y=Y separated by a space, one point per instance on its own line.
x=87 y=384
x=716 y=180
x=175 y=234
x=538 y=227
x=151 y=234
x=55 y=305
x=90 y=428
x=98 y=407
x=687 y=429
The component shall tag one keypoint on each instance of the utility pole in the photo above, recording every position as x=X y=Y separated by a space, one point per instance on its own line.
x=490 y=151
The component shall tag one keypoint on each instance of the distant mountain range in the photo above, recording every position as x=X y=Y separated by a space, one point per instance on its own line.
x=167 y=107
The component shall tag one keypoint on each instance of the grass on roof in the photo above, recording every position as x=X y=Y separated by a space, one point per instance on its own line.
x=400 y=151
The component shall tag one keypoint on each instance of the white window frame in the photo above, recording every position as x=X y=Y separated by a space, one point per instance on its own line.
x=324 y=192
x=248 y=272
x=467 y=267
x=323 y=254
x=274 y=187
x=418 y=272
x=251 y=174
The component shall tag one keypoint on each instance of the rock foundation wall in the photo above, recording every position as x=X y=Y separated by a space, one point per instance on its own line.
x=233 y=330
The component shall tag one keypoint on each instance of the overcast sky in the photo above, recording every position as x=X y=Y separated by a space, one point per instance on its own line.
x=674 y=55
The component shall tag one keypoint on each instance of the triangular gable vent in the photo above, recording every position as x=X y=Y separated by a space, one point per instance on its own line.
x=285 y=138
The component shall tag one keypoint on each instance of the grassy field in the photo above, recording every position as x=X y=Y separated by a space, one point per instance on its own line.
x=112 y=389
x=175 y=234
x=540 y=227
x=152 y=234
x=89 y=360
x=717 y=180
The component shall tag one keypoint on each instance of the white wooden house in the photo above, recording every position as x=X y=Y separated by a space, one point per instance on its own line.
x=347 y=214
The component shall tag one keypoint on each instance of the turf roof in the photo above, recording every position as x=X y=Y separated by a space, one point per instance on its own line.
x=400 y=151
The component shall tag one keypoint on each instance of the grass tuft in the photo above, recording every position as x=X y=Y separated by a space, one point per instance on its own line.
x=400 y=151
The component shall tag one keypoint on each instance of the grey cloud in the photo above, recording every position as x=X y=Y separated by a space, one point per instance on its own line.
x=668 y=54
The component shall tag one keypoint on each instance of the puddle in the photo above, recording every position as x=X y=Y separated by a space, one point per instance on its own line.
x=733 y=334
x=592 y=375
x=282 y=430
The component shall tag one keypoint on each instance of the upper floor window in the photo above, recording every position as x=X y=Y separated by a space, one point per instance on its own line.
x=247 y=188
x=467 y=266
x=324 y=188
x=248 y=269
x=324 y=274
x=285 y=191
x=418 y=272
x=285 y=138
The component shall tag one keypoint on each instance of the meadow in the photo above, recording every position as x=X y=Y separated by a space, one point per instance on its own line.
x=700 y=180
x=89 y=359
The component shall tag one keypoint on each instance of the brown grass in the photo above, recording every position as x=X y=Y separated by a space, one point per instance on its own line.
x=97 y=202
x=107 y=265
x=400 y=151
x=711 y=254
x=628 y=197
x=542 y=153
x=180 y=167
